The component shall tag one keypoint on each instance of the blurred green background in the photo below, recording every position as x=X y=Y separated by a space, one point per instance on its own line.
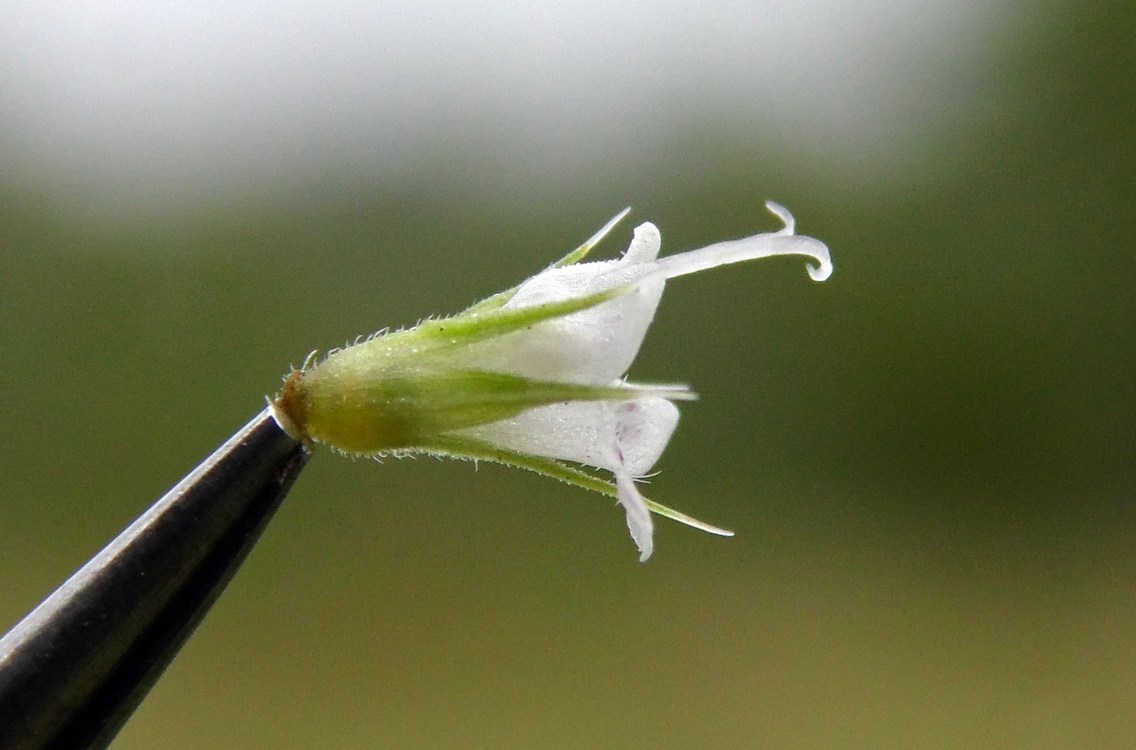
x=928 y=459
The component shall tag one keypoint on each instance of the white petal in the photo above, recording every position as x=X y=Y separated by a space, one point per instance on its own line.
x=639 y=521
x=626 y=438
x=608 y=435
x=593 y=346
x=642 y=430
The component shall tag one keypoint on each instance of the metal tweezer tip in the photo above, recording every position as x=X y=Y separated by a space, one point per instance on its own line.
x=73 y=671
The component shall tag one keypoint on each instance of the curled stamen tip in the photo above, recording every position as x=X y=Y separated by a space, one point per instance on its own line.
x=784 y=215
x=823 y=270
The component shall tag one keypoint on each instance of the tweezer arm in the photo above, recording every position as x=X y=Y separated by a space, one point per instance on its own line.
x=77 y=666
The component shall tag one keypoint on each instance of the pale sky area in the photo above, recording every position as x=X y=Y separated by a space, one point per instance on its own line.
x=119 y=102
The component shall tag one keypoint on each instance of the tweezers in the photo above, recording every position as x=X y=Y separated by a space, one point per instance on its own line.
x=75 y=668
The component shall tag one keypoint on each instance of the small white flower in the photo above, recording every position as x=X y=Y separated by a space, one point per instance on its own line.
x=532 y=377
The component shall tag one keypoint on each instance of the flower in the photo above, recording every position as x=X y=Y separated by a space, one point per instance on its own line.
x=533 y=377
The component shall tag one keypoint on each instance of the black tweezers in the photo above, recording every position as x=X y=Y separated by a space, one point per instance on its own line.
x=73 y=671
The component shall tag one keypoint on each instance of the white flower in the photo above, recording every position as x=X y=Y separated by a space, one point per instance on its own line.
x=532 y=377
